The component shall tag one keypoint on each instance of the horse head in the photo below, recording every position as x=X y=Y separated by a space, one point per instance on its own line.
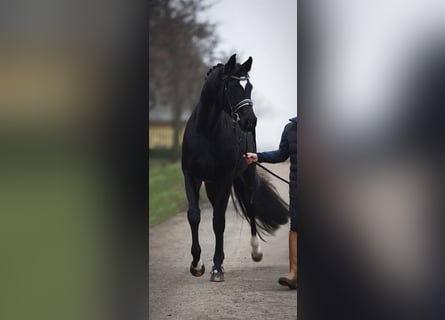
x=236 y=96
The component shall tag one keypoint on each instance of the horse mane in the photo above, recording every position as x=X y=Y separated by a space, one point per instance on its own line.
x=213 y=68
x=206 y=108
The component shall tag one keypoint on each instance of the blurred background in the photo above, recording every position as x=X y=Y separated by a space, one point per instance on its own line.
x=64 y=72
x=371 y=159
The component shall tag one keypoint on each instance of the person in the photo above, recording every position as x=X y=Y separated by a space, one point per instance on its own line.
x=287 y=149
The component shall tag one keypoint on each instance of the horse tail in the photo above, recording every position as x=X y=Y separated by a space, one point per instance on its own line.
x=265 y=204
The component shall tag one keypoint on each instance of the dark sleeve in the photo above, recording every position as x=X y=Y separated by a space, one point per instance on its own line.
x=279 y=155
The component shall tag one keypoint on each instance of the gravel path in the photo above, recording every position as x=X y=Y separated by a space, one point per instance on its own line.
x=250 y=290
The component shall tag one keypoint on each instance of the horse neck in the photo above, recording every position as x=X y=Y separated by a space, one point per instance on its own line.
x=209 y=119
x=209 y=111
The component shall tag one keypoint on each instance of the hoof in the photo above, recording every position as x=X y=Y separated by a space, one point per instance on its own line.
x=257 y=257
x=197 y=272
x=217 y=276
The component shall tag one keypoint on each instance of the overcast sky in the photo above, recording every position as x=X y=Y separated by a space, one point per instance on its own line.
x=267 y=31
x=369 y=50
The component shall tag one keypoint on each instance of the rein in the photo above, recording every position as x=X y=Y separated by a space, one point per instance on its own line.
x=264 y=168
x=275 y=175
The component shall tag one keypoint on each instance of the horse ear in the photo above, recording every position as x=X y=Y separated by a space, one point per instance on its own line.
x=247 y=64
x=230 y=65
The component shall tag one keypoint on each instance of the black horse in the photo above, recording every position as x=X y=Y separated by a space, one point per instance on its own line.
x=218 y=133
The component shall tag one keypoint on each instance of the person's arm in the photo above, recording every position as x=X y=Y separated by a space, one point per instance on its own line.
x=276 y=156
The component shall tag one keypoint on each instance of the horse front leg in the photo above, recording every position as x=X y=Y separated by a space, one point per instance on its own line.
x=192 y=187
x=219 y=222
x=219 y=197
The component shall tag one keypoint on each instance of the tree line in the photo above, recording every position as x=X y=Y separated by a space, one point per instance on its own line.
x=181 y=45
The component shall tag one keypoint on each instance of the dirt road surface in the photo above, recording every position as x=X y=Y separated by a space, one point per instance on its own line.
x=250 y=290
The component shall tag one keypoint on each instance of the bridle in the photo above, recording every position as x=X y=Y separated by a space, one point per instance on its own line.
x=234 y=109
x=235 y=117
x=243 y=103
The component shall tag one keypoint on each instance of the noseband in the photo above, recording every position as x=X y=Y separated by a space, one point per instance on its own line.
x=243 y=103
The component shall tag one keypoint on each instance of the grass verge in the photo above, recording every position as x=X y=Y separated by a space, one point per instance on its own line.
x=167 y=194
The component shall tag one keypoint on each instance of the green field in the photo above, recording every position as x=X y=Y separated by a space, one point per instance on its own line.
x=167 y=194
x=52 y=238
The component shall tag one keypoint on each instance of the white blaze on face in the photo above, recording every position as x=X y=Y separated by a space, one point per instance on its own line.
x=243 y=83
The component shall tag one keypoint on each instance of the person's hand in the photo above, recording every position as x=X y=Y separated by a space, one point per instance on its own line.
x=250 y=157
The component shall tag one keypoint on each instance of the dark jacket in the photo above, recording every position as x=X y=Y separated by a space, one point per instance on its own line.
x=287 y=148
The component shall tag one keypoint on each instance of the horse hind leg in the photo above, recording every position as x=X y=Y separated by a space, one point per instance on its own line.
x=251 y=180
x=245 y=187
x=192 y=187
x=257 y=252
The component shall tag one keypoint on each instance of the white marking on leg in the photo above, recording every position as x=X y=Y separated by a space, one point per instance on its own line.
x=198 y=266
x=256 y=248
